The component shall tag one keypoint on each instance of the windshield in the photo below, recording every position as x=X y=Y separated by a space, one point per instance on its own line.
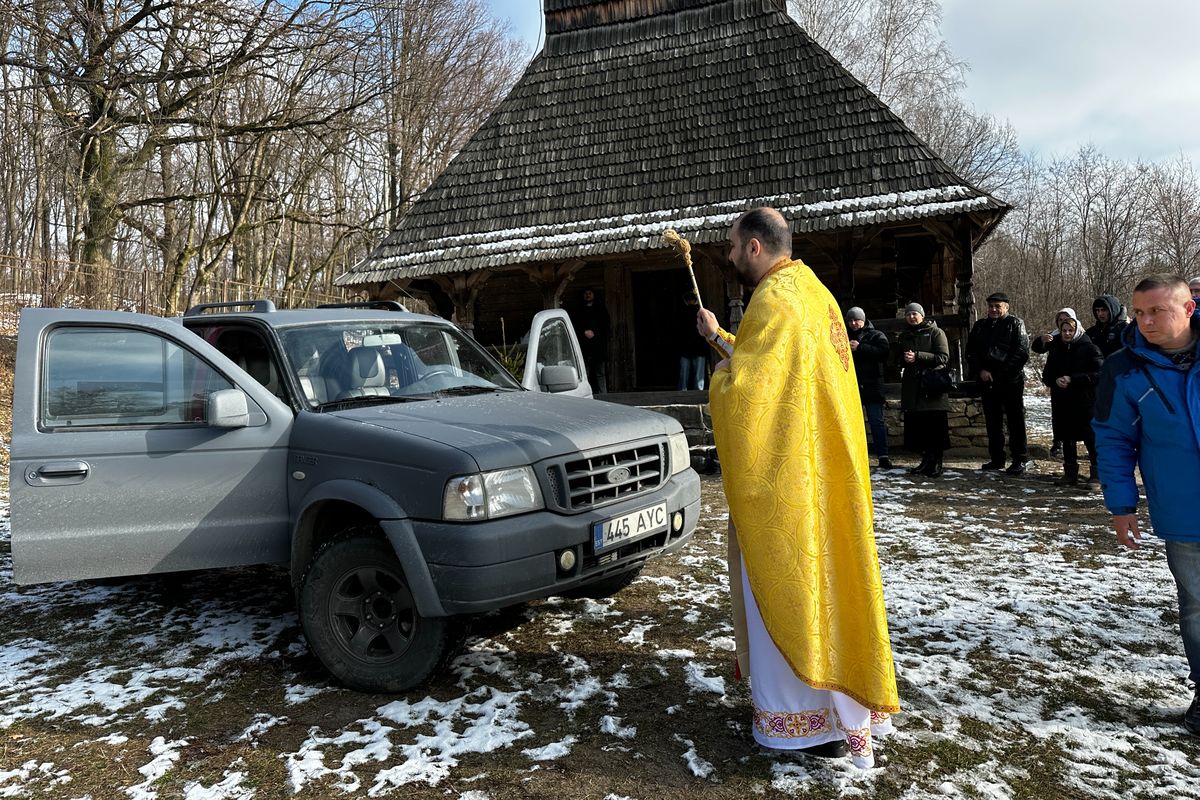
x=335 y=362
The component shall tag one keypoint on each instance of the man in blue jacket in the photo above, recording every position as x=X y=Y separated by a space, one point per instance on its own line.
x=1148 y=414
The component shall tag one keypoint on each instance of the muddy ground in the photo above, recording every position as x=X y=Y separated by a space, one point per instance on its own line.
x=1035 y=661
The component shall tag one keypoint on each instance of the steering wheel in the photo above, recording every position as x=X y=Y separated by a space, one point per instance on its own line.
x=435 y=372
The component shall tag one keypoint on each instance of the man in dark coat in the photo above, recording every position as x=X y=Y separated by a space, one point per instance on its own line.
x=1106 y=333
x=870 y=348
x=591 y=328
x=997 y=350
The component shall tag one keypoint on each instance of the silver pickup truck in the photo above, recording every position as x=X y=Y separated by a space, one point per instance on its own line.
x=395 y=465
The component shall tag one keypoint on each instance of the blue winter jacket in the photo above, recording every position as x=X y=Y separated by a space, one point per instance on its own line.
x=1148 y=414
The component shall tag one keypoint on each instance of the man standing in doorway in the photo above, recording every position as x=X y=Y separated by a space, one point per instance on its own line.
x=591 y=328
x=1148 y=415
x=997 y=350
x=793 y=452
x=871 y=348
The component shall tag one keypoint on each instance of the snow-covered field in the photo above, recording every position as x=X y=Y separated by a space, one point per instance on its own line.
x=1035 y=661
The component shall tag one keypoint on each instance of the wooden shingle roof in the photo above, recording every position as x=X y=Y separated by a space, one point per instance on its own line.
x=640 y=115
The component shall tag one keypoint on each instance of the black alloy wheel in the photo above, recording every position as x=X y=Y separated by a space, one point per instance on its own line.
x=359 y=617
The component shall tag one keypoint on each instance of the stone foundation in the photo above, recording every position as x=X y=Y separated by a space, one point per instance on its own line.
x=968 y=431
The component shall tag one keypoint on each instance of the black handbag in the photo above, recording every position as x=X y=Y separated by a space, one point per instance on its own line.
x=936 y=382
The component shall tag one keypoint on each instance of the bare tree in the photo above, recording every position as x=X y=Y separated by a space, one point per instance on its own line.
x=217 y=140
x=444 y=66
x=1173 y=198
x=895 y=47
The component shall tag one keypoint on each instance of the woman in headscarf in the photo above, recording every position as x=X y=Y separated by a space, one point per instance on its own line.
x=1040 y=344
x=1073 y=364
x=922 y=346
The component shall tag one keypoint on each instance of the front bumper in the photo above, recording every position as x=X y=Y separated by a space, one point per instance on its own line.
x=477 y=567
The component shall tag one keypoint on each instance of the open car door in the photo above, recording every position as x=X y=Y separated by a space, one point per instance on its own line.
x=138 y=448
x=553 y=360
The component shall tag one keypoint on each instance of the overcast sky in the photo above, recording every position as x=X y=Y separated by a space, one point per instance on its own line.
x=1123 y=74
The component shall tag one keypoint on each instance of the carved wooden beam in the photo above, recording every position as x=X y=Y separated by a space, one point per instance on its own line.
x=463 y=289
x=944 y=232
x=552 y=279
x=843 y=249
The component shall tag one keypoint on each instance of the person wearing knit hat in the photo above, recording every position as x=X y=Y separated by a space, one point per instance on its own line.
x=997 y=350
x=870 y=347
x=922 y=348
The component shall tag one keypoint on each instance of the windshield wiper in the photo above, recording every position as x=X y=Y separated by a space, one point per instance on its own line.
x=369 y=399
x=465 y=390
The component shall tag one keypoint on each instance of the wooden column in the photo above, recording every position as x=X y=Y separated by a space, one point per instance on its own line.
x=964 y=283
x=622 y=352
x=733 y=300
x=463 y=289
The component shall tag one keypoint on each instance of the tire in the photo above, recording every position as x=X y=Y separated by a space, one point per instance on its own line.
x=605 y=587
x=360 y=620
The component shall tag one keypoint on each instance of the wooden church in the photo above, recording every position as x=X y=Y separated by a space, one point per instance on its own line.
x=643 y=115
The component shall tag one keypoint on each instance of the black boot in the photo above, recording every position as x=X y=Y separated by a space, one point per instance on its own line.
x=1191 y=718
x=935 y=466
x=920 y=469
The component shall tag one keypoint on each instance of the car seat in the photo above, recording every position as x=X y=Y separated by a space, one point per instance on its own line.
x=367 y=376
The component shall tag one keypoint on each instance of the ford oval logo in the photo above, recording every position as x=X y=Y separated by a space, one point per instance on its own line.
x=618 y=475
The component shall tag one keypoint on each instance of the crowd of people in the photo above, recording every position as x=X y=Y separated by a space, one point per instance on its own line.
x=821 y=674
x=817 y=653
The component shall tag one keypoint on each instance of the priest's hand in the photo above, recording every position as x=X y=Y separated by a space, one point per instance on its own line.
x=706 y=323
x=722 y=364
x=1126 y=526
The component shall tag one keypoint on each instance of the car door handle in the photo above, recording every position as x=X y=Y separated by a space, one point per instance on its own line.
x=58 y=473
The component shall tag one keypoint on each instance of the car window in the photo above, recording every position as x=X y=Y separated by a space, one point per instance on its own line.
x=406 y=359
x=122 y=377
x=554 y=346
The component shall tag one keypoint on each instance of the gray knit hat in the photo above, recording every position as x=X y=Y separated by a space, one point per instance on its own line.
x=917 y=307
x=856 y=313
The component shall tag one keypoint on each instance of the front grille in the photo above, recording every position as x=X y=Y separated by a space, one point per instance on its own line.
x=603 y=478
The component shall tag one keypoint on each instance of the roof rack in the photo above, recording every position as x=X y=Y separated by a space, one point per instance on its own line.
x=254 y=306
x=378 y=305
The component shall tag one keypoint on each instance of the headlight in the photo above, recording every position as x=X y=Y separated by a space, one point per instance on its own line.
x=491 y=494
x=681 y=457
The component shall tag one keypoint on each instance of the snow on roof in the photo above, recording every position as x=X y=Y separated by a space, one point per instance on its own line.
x=632 y=232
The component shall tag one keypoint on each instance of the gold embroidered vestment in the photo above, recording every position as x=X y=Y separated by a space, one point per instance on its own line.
x=790 y=435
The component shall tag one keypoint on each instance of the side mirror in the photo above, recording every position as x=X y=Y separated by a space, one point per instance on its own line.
x=227 y=408
x=558 y=378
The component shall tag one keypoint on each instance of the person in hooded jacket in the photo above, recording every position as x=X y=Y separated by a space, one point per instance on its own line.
x=1148 y=419
x=923 y=346
x=1040 y=344
x=1110 y=324
x=1073 y=365
x=870 y=348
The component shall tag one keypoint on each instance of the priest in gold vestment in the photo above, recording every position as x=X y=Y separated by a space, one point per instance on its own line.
x=792 y=444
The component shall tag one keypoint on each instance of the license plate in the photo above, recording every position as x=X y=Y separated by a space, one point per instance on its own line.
x=629 y=526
